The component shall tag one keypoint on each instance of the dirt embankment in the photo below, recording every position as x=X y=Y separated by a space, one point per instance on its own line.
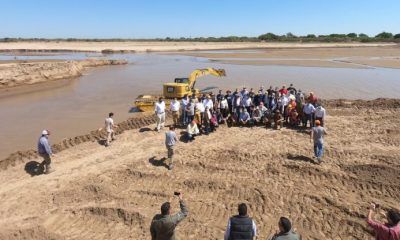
x=31 y=72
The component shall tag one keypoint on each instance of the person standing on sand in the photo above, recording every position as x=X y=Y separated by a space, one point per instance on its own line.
x=317 y=137
x=388 y=231
x=44 y=150
x=319 y=114
x=175 y=107
x=160 y=113
x=109 y=126
x=184 y=103
x=241 y=226
x=308 y=111
x=163 y=225
x=170 y=141
x=285 y=231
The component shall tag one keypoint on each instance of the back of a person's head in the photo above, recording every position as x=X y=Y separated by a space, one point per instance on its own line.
x=110 y=114
x=171 y=128
x=285 y=224
x=242 y=209
x=165 y=208
x=394 y=216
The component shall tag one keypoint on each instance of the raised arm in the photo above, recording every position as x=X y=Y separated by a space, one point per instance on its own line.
x=182 y=214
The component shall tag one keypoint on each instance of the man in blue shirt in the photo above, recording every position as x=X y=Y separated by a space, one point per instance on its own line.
x=44 y=150
x=244 y=117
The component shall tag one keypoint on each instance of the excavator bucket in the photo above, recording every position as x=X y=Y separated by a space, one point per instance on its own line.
x=221 y=72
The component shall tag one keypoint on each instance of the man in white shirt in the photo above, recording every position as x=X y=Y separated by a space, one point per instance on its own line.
x=208 y=102
x=109 y=126
x=175 y=106
x=185 y=102
x=160 y=112
x=319 y=114
x=192 y=131
x=284 y=104
x=200 y=112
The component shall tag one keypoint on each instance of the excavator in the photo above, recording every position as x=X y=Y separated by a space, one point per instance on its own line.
x=178 y=89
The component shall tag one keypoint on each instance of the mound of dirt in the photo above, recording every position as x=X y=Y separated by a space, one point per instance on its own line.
x=32 y=72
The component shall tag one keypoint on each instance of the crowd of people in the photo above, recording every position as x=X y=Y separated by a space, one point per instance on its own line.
x=243 y=227
x=271 y=108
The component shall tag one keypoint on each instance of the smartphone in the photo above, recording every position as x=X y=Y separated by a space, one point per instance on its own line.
x=177 y=193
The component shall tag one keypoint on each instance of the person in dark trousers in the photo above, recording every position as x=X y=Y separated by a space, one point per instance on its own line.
x=285 y=231
x=44 y=150
x=241 y=226
x=163 y=225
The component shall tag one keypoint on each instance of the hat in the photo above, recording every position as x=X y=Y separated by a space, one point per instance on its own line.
x=45 y=132
x=317 y=122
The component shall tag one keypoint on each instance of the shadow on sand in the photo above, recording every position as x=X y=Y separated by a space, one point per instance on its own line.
x=300 y=158
x=145 y=129
x=102 y=142
x=158 y=163
x=34 y=168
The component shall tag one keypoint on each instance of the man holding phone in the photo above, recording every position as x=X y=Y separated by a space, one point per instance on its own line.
x=163 y=225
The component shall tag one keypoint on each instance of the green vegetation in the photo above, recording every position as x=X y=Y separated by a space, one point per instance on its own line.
x=267 y=37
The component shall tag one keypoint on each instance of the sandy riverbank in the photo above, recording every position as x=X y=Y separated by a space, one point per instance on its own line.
x=166 y=46
x=112 y=193
x=348 y=57
x=17 y=73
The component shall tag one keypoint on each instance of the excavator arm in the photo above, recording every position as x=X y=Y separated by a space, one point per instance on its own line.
x=203 y=72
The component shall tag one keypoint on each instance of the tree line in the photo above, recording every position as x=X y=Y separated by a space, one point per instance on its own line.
x=267 y=37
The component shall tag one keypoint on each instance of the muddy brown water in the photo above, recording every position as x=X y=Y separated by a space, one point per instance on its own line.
x=74 y=107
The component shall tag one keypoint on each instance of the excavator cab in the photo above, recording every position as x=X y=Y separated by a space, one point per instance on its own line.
x=178 y=89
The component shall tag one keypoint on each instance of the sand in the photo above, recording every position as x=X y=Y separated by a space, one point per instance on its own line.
x=112 y=193
x=110 y=47
x=17 y=73
x=347 y=57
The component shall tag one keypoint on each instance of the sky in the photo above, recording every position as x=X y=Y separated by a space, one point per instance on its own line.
x=194 y=18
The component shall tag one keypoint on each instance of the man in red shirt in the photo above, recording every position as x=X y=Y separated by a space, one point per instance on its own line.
x=283 y=90
x=388 y=231
x=312 y=99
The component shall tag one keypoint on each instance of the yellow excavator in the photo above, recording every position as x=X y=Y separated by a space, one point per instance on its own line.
x=178 y=89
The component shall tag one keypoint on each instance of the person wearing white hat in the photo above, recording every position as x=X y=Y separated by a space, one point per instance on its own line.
x=109 y=126
x=44 y=150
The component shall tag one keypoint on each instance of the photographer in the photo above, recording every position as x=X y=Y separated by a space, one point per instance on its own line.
x=388 y=231
x=163 y=225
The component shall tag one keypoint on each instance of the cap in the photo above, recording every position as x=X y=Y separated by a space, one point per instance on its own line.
x=45 y=132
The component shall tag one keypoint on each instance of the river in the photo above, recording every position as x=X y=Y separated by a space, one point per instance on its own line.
x=74 y=107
